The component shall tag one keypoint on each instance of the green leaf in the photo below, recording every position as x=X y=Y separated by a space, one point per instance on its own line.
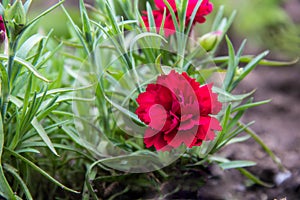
x=112 y=18
x=218 y=19
x=38 y=169
x=196 y=8
x=248 y=68
x=182 y=14
x=264 y=62
x=4 y=90
x=224 y=27
x=44 y=13
x=26 y=64
x=236 y=164
x=77 y=31
x=151 y=20
x=27 y=5
x=4 y=185
x=231 y=66
x=48 y=56
x=250 y=105
x=264 y=146
x=28 y=45
x=220 y=136
x=239 y=139
x=38 y=127
x=228 y=97
x=174 y=18
x=254 y=178
x=85 y=23
x=17 y=177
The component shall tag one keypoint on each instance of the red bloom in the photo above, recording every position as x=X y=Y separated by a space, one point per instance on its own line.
x=205 y=8
x=2 y=30
x=177 y=110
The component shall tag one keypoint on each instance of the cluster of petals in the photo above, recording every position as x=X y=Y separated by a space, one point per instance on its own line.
x=2 y=30
x=205 y=8
x=178 y=110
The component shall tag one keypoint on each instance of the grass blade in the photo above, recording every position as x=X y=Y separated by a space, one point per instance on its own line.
x=26 y=64
x=4 y=185
x=41 y=131
x=236 y=164
x=38 y=169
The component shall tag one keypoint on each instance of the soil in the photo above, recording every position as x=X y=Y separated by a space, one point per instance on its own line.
x=277 y=123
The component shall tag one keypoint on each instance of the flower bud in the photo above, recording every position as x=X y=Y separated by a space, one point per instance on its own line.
x=16 y=17
x=209 y=40
x=237 y=73
x=16 y=13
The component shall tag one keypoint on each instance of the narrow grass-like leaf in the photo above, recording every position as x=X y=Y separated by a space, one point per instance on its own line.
x=250 y=105
x=248 y=68
x=4 y=90
x=118 y=194
x=182 y=14
x=218 y=19
x=192 y=17
x=228 y=97
x=233 y=135
x=86 y=26
x=254 y=178
x=264 y=146
x=28 y=45
x=38 y=169
x=112 y=19
x=4 y=185
x=227 y=24
x=48 y=56
x=27 y=5
x=38 y=127
x=263 y=62
x=44 y=13
x=45 y=112
x=27 y=65
x=77 y=31
x=236 y=164
x=231 y=65
x=151 y=20
x=26 y=98
x=17 y=177
x=238 y=139
x=240 y=51
x=173 y=15
x=221 y=134
x=28 y=150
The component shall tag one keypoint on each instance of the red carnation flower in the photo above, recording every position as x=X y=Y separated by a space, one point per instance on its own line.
x=178 y=110
x=205 y=8
x=2 y=30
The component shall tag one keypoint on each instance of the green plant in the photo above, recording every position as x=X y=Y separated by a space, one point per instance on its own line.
x=68 y=105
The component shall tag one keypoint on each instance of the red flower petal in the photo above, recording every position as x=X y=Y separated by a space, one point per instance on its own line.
x=156 y=139
x=160 y=4
x=177 y=110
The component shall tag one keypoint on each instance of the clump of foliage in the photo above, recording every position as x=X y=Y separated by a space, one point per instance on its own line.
x=68 y=127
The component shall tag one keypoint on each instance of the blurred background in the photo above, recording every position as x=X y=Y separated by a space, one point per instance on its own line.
x=267 y=24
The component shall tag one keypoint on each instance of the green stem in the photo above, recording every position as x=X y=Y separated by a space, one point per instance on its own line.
x=4 y=185
x=5 y=90
x=11 y=58
x=101 y=98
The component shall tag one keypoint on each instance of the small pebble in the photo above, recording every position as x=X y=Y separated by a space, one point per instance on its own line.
x=281 y=177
